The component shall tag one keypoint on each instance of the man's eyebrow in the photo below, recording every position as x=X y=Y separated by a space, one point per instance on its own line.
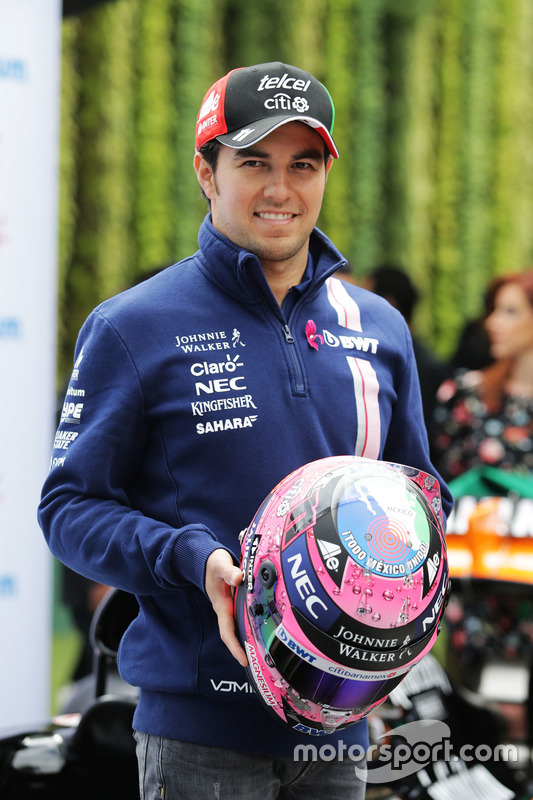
x=309 y=154
x=251 y=152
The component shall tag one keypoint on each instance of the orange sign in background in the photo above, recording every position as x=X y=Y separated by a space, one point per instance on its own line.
x=491 y=538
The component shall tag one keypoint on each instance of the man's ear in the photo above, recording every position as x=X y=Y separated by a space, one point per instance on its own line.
x=329 y=164
x=205 y=175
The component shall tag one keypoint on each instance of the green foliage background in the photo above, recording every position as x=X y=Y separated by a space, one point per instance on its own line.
x=434 y=122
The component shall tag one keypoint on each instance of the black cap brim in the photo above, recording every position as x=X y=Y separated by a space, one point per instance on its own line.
x=257 y=130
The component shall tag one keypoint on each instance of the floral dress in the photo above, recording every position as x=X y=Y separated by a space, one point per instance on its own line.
x=465 y=434
x=483 y=626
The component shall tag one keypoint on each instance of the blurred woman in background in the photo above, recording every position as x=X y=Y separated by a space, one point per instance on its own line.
x=485 y=417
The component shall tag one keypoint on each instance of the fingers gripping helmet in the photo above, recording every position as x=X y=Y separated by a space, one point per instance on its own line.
x=345 y=582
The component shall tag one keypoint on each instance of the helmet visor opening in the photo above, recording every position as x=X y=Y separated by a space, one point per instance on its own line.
x=317 y=686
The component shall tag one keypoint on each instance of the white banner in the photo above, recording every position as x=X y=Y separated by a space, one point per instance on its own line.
x=30 y=49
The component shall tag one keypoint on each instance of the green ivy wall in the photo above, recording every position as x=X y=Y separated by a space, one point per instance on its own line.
x=434 y=121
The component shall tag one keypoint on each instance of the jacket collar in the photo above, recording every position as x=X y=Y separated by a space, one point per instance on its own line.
x=239 y=273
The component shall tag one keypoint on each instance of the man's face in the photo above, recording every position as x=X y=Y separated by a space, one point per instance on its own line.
x=266 y=198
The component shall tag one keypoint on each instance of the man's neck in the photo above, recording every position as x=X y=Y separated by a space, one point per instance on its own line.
x=281 y=277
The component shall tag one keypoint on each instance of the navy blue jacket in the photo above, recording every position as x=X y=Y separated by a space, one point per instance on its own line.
x=193 y=394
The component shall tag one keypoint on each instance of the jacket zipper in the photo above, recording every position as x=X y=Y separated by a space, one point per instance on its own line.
x=296 y=368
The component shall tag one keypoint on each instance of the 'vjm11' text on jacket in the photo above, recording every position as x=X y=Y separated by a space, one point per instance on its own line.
x=193 y=394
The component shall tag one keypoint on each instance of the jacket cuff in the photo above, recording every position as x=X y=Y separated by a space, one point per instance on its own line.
x=184 y=558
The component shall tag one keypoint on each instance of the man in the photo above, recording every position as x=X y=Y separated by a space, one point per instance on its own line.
x=193 y=395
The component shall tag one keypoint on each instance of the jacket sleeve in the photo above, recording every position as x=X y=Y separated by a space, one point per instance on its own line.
x=85 y=512
x=407 y=439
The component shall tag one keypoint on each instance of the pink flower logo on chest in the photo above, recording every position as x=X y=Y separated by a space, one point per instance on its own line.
x=312 y=336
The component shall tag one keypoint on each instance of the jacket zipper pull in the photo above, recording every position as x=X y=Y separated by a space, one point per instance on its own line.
x=288 y=335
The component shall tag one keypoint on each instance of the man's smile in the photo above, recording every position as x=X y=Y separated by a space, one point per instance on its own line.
x=273 y=215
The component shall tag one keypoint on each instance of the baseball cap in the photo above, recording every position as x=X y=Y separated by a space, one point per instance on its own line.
x=248 y=103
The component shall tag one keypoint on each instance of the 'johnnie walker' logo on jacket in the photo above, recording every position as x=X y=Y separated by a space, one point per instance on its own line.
x=209 y=342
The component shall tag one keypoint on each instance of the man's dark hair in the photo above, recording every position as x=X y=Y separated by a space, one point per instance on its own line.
x=210 y=151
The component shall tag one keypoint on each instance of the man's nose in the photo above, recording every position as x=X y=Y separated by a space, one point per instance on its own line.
x=277 y=186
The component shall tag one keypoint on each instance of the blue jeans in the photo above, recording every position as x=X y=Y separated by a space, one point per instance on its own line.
x=173 y=770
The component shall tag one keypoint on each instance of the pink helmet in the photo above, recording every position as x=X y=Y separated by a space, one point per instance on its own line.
x=345 y=583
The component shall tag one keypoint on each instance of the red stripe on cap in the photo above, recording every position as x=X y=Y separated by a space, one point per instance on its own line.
x=211 y=120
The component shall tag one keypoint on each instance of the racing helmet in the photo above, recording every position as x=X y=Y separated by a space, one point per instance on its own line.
x=345 y=581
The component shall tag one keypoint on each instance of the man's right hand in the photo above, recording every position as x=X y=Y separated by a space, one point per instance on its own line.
x=221 y=577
